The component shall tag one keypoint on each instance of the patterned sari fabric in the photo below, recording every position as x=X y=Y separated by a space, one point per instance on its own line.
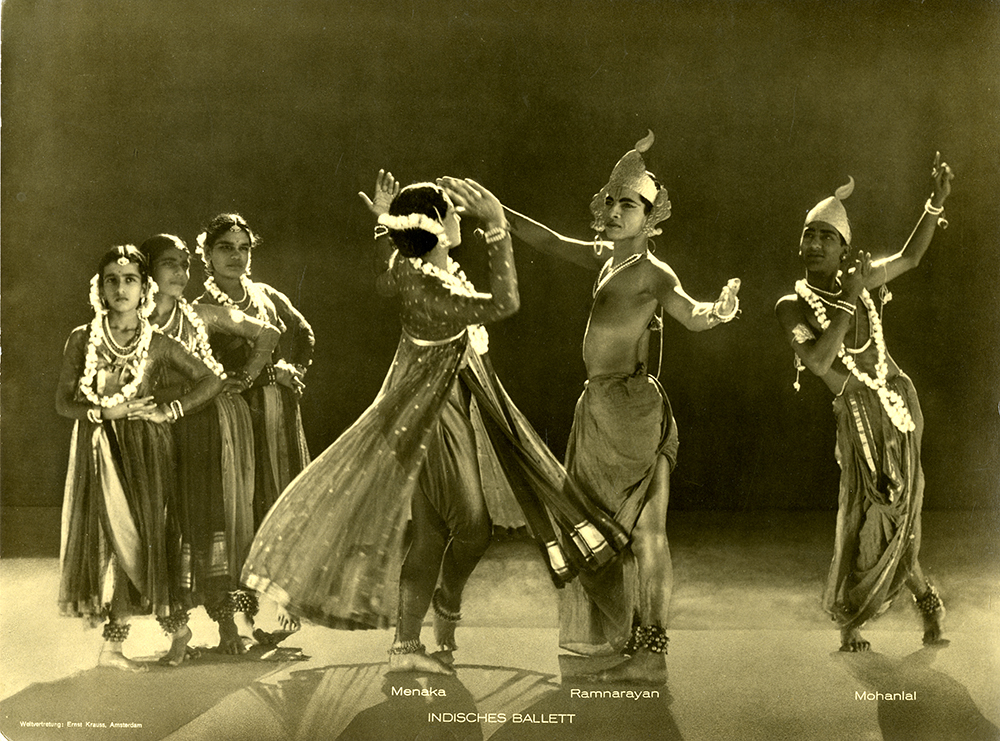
x=881 y=496
x=114 y=554
x=622 y=426
x=280 y=449
x=332 y=548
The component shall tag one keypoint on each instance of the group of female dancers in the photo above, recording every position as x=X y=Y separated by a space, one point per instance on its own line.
x=190 y=482
x=187 y=430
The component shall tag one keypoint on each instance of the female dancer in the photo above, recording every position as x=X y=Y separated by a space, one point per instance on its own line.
x=332 y=546
x=836 y=331
x=215 y=463
x=113 y=559
x=280 y=450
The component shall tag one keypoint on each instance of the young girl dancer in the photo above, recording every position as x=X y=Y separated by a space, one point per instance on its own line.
x=114 y=557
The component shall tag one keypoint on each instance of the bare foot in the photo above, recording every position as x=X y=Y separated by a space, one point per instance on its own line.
x=112 y=656
x=934 y=626
x=852 y=642
x=288 y=622
x=230 y=640
x=417 y=662
x=644 y=667
x=178 y=647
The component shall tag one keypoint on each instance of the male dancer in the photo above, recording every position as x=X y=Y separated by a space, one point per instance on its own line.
x=879 y=423
x=624 y=441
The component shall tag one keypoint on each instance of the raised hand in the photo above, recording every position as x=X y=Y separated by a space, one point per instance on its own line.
x=474 y=200
x=727 y=299
x=386 y=188
x=943 y=176
x=856 y=270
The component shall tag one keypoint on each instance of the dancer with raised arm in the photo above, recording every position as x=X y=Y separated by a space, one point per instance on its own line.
x=623 y=442
x=835 y=329
x=114 y=557
x=215 y=457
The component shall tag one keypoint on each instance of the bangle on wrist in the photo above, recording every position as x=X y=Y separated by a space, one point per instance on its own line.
x=497 y=233
x=932 y=209
x=245 y=379
x=723 y=318
x=381 y=231
x=94 y=415
x=845 y=306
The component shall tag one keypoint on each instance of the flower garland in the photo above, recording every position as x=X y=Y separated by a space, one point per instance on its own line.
x=892 y=402
x=135 y=354
x=458 y=285
x=249 y=291
x=196 y=341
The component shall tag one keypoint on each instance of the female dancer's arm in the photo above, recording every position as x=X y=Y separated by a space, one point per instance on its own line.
x=205 y=387
x=263 y=336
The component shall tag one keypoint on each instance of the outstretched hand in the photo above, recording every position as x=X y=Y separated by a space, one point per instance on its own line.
x=386 y=188
x=727 y=301
x=943 y=176
x=474 y=199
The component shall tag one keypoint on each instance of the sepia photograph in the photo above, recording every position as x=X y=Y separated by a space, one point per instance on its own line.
x=493 y=369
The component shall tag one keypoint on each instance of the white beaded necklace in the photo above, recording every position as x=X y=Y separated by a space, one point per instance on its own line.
x=892 y=402
x=608 y=272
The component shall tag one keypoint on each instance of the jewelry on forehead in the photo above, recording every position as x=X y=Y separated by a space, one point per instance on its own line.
x=236 y=228
x=123 y=261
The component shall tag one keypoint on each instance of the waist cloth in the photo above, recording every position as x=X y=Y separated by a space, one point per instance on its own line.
x=621 y=424
x=880 y=501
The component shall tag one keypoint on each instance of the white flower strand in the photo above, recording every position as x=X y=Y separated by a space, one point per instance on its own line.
x=458 y=285
x=249 y=290
x=135 y=357
x=196 y=342
x=892 y=402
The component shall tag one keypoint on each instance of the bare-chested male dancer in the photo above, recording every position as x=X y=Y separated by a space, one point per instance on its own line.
x=835 y=329
x=624 y=442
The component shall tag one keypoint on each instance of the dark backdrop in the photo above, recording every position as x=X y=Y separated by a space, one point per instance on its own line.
x=123 y=119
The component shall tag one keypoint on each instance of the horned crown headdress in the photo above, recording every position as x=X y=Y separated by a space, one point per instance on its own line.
x=631 y=173
x=832 y=211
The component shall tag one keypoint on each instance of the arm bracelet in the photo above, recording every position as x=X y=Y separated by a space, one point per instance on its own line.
x=845 y=306
x=94 y=415
x=722 y=319
x=497 y=233
x=381 y=231
x=933 y=210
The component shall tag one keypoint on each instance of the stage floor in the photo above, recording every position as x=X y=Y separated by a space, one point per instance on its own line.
x=751 y=657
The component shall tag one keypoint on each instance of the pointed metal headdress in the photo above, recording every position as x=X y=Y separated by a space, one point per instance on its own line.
x=631 y=173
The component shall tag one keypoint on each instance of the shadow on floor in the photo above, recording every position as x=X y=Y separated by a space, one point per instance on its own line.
x=915 y=702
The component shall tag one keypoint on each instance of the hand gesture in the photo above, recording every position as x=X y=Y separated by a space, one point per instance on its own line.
x=129 y=408
x=290 y=376
x=727 y=302
x=386 y=188
x=856 y=271
x=943 y=176
x=474 y=200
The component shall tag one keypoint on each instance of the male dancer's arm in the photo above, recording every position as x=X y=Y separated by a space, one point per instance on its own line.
x=887 y=268
x=696 y=316
x=550 y=242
